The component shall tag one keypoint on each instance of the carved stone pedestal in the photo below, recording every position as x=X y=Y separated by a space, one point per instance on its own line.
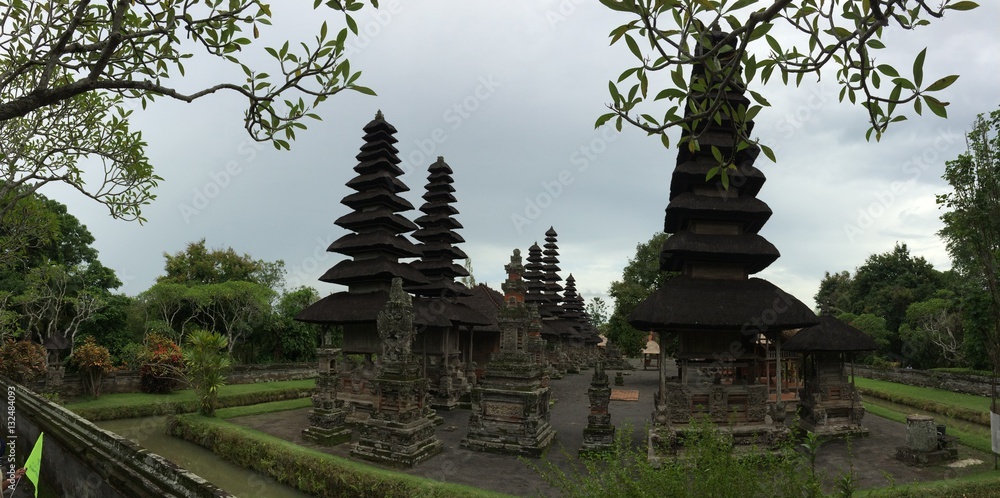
x=328 y=420
x=400 y=431
x=510 y=406
x=599 y=435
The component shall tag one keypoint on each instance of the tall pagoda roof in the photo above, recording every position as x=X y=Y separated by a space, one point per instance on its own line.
x=377 y=240
x=437 y=237
x=550 y=268
x=714 y=241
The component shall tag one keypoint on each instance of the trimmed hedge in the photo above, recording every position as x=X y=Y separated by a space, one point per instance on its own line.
x=983 y=485
x=974 y=416
x=95 y=414
x=308 y=470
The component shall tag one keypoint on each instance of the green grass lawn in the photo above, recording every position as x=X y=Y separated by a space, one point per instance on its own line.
x=972 y=436
x=184 y=395
x=967 y=401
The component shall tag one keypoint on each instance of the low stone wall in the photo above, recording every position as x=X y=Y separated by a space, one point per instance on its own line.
x=127 y=381
x=961 y=383
x=84 y=461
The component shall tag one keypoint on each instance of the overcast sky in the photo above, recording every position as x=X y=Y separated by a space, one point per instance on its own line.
x=508 y=94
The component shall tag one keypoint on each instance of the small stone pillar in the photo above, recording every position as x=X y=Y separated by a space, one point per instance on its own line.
x=599 y=435
x=400 y=431
x=620 y=378
x=328 y=420
x=924 y=444
x=921 y=433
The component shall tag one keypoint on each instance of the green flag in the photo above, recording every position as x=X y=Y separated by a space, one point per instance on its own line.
x=34 y=463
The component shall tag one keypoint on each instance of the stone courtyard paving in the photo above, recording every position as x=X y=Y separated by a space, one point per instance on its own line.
x=873 y=457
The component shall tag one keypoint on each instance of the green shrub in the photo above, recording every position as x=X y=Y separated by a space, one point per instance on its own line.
x=206 y=364
x=162 y=367
x=310 y=471
x=93 y=361
x=708 y=465
x=189 y=406
x=22 y=361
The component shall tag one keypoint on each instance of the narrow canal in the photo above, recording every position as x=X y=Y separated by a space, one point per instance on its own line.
x=150 y=433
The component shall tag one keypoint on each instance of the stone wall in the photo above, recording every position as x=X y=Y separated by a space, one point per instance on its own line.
x=962 y=383
x=127 y=381
x=83 y=461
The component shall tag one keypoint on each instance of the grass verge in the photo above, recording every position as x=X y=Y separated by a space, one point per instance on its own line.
x=131 y=405
x=979 y=441
x=309 y=470
x=960 y=406
x=982 y=485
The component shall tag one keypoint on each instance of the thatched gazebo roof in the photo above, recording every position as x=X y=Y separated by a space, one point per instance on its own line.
x=831 y=335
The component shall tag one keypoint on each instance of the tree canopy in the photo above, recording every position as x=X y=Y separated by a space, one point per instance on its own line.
x=727 y=40
x=71 y=74
x=970 y=228
x=640 y=277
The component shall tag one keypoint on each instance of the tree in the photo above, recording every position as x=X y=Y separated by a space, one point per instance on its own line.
x=675 y=36
x=205 y=367
x=56 y=303
x=69 y=71
x=833 y=296
x=970 y=224
x=289 y=339
x=888 y=283
x=197 y=264
x=469 y=281
x=640 y=277
x=597 y=309
x=932 y=332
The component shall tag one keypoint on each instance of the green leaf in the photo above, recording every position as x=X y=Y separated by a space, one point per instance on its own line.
x=887 y=70
x=717 y=154
x=678 y=76
x=633 y=46
x=774 y=44
x=942 y=83
x=352 y=24
x=363 y=89
x=603 y=119
x=962 y=6
x=876 y=44
x=768 y=152
x=711 y=173
x=936 y=106
x=918 y=68
x=725 y=179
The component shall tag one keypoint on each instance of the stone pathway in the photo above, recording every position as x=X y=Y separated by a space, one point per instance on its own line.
x=873 y=458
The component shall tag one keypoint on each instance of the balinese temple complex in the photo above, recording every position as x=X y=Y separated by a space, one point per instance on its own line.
x=716 y=309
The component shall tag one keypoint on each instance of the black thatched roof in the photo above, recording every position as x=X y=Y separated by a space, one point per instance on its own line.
x=685 y=303
x=550 y=267
x=437 y=239
x=345 y=308
x=486 y=302
x=750 y=211
x=355 y=243
x=690 y=174
x=754 y=251
x=831 y=335
x=534 y=280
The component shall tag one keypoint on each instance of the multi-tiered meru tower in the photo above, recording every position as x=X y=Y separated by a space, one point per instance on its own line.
x=720 y=314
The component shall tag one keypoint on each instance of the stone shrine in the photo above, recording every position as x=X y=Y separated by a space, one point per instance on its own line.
x=327 y=421
x=830 y=405
x=599 y=435
x=400 y=431
x=510 y=406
